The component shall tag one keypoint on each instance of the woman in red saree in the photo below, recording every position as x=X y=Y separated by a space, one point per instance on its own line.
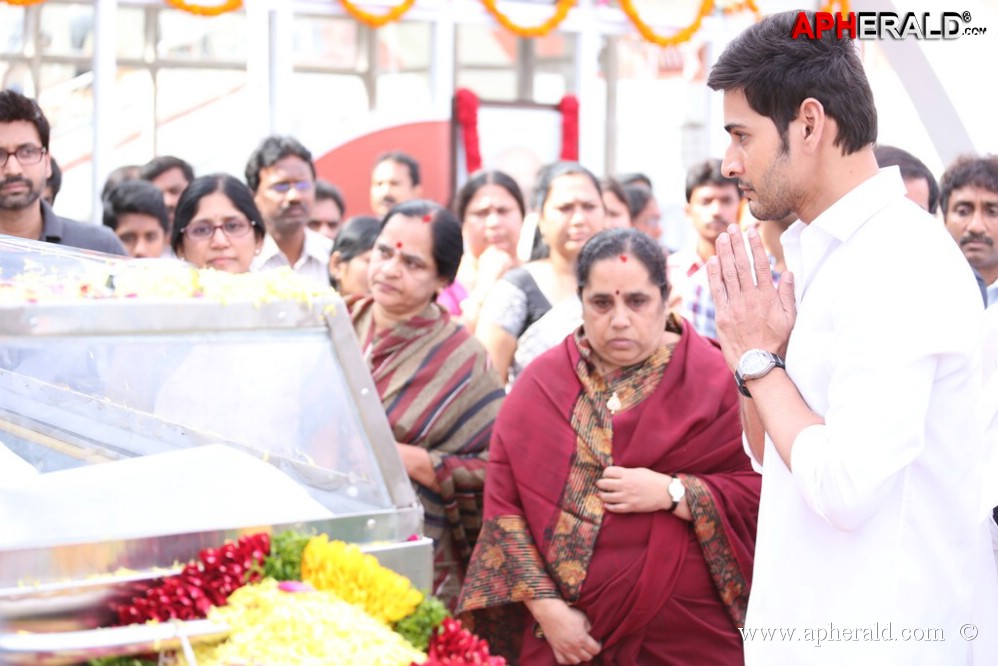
x=620 y=511
x=439 y=392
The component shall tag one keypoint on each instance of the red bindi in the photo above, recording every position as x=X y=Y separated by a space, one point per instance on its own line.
x=428 y=217
x=399 y=245
x=623 y=257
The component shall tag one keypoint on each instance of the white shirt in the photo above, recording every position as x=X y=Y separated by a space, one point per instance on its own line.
x=992 y=292
x=313 y=262
x=879 y=530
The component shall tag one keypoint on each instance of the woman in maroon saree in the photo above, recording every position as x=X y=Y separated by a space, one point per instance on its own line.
x=584 y=556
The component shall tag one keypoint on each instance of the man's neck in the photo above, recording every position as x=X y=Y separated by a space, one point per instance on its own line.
x=990 y=274
x=838 y=177
x=292 y=245
x=705 y=249
x=24 y=222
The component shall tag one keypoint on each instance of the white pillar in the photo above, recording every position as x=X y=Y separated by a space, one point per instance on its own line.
x=105 y=107
x=592 y=101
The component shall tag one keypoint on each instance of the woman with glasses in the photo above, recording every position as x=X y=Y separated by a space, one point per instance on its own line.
x=433 y=378
x=533 y=308
x=213 y=223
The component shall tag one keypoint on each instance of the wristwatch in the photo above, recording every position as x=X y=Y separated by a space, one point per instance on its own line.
x=677 y=491
x=753 y=364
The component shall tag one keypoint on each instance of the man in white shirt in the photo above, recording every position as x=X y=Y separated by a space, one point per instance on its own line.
x=712 y=202
x=969 y=198
x=873 y=545
x=282 y=176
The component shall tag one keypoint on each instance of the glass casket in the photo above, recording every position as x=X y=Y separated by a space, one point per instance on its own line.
x=149 y=411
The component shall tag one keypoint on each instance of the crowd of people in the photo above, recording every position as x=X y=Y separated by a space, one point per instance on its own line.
x=634 y=454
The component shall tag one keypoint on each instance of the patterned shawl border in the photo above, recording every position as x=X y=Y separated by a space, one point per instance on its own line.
x=508 y=567
x=708 y=525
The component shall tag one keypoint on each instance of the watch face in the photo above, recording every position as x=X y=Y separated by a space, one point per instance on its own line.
x=754 y=362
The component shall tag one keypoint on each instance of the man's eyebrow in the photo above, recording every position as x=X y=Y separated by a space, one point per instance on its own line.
x=731 y=126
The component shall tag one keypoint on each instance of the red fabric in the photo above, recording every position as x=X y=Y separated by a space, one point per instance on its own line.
x=643 y=562
x=466 y=112
x=569 y=107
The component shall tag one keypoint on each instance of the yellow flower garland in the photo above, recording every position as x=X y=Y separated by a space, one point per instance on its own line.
x=377 y=20
x=560 y=12
x=706 y=8
x=206 y=10
x=843 y=6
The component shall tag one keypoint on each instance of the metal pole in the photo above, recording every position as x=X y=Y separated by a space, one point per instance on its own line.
x=105 y=71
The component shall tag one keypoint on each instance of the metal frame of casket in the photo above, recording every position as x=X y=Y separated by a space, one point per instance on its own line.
x=86 y=382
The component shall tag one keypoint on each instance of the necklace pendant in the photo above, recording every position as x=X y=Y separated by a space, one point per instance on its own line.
x=614 y=404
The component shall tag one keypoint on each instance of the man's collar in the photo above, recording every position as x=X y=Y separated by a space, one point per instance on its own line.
x=844 y=217
x=52 y=226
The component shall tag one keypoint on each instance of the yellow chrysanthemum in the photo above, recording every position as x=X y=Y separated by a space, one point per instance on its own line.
x=358 y=578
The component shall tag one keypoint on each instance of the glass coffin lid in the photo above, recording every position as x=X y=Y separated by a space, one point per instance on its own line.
x=148 y=410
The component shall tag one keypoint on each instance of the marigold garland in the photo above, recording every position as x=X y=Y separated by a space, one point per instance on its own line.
x=377 y=20
x=206 y=10
x=843 y=6
x=706 y=9
x=23 y=3
x=560 y=12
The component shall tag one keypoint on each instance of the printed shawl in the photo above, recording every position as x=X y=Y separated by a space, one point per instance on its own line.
x=543 y=535
x=439 y=392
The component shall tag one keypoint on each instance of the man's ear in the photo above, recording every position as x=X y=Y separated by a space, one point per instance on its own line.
x=812 y=118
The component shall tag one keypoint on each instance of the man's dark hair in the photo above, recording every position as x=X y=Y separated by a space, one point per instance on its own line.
x=119 y=175
x=637 y=196
x=968 y=170
x=54 y=182
x=135 y=196
x=707 y=172
x=324 y=190
x=911 y=168
x=406 y=160
x=611 y=243
x=14 y=106
x=445 y=230
x=777 y=73
x=269 y=152
x=157 y=166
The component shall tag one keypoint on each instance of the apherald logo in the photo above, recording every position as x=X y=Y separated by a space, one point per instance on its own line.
x=878 y=25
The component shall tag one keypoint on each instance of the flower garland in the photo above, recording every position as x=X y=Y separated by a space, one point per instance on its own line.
x=377 y=20
x=24 y=3
x=466 y=114
x=206 y=10
x=569 y=107
x=706 y=9
x=560 y=12
x=843 y=6
x=356 y=597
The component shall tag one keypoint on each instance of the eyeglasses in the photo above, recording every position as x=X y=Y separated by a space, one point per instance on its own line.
x=284 y=188
x=26 y=155
x=202 y=231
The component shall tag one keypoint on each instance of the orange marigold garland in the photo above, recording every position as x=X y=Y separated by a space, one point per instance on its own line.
x=843 y=6
x=377 y=20
x=560 y=12
x=23 y=3
x=706 y=9
x=206 y=10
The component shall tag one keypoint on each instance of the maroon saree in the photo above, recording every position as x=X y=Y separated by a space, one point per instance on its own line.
x=657 y=589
